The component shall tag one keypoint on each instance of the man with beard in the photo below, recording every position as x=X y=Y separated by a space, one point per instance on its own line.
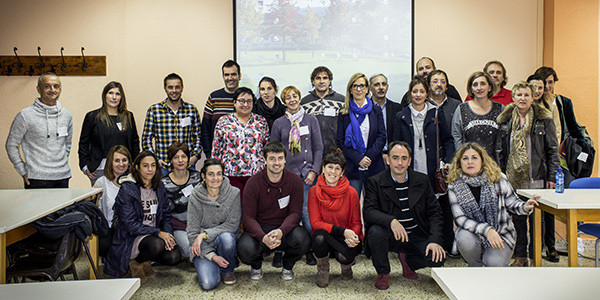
x=219 y=103
x=425 y=66
x=172 y=120
x=438 y=85
x=378 y=84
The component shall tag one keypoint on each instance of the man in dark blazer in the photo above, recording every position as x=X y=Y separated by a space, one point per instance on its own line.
x=378 y=84
x=401 y=214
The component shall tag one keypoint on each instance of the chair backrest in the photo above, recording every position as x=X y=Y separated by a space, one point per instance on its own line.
x=585 y=183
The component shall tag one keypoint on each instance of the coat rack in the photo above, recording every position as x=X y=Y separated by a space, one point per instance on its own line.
x=61 y=65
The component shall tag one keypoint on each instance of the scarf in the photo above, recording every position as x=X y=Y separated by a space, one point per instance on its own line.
x=270 y=114
x=354 y=137
x=486 y=211
x=332 y=197
x=517 y=166
x=295 y=120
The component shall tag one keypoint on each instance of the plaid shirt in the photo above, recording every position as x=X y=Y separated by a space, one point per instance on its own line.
x=165 y=127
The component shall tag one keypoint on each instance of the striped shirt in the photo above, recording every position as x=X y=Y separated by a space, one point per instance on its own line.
x=404 y=216
x=165 y=127
x=219 y=103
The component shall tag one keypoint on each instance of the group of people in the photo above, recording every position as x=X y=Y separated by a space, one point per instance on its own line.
x=286 y=174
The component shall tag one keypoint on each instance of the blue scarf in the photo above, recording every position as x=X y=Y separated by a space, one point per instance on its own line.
x=354 y=137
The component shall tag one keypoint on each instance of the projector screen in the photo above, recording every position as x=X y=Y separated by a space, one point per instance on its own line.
x=287 y=39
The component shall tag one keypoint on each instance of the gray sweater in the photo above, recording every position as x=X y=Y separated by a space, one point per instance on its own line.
x=44 y=132
x=213 y=217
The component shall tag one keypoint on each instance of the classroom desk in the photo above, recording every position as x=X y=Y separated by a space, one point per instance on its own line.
x=570 y=207
x=18 y=208
x=102 y=289
x=518 y=283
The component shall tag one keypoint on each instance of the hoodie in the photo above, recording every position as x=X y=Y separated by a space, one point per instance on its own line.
x=44 y=132
x=213 y=216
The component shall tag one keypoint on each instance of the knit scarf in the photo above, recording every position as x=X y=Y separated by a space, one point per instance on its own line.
x=517 y=166
x=269 y=113
x=354 y=137
x=295 y=119
x=486 y=211
x=332 y=197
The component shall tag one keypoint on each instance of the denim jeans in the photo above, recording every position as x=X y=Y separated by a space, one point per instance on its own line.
x=305 y=217
x=182 y=241
x=359 y=182
x=209 y=273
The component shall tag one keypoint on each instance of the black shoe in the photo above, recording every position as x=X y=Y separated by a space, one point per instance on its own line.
x=552 y=255
x=310 y=259
x=277 y=258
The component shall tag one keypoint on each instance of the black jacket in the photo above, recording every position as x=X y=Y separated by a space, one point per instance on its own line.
x=391 y=109
x=544 y=154
x=93 y=145
x=84 y=218
x=381 y=196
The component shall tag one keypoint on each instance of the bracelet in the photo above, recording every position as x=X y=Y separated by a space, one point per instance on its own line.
x=205 y=235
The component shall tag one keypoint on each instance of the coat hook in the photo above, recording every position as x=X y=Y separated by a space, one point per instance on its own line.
x=63 y=65
x=18 y=64
x=8 y=70
x=31 y=71
x=83 y=64
x=41 y=64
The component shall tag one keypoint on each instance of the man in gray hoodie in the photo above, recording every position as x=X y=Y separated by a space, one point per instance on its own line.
x=43 y=130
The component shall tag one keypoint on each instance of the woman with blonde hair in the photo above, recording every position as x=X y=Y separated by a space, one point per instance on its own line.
x=481 y=198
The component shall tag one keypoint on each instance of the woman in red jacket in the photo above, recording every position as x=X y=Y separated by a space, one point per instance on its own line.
x=334 y=211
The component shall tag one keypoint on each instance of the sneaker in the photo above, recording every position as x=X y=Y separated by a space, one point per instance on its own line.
x=407 y=272
x=229 y=278
x=255 y=274
x=382 y=282
x=287 y=274
x=310 y=259
x=277 y=259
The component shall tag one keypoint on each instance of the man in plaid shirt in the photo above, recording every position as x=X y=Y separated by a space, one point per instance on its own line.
x=172 y=120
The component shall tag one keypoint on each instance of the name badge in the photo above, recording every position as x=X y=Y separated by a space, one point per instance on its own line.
x=330 y=112
x=283 y=202
x=582 y=156
x=119 y=126
x=303 y=130
x=187 y=191
x=187 y=121
x=153 y=208
x=62 y=131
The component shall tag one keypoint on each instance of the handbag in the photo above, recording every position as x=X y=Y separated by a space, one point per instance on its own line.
x=440 y=174
x=578 y=153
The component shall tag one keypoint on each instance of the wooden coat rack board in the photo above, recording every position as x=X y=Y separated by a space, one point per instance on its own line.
x=79 y=65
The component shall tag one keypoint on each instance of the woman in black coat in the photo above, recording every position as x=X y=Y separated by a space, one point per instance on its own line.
x=110 y=125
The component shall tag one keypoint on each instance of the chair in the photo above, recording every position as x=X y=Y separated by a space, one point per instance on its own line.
x=589 y=229
x=38 y=257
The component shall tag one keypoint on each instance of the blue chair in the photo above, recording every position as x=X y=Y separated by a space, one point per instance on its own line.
x=589 y=229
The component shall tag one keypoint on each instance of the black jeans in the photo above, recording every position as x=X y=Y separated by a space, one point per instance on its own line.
x=47 y=184
x=522 y=240
x=324 y=243
x=294 y=244
x=381 y=241
x=448 y=230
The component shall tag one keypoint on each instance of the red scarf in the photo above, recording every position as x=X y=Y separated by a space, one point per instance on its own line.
x=332 y=197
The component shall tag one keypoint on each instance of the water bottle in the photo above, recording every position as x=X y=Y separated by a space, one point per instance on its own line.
x=560 y=181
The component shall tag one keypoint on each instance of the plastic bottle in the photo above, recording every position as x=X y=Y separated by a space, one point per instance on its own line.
x=560 y=181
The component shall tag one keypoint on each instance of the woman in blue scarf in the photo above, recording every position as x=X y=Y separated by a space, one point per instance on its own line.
x=361 y=133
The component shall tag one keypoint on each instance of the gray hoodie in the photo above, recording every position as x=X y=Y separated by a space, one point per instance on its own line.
x=44 y=132
x=213 y=217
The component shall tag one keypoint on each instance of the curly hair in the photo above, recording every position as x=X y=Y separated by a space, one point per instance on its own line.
x=488 y=165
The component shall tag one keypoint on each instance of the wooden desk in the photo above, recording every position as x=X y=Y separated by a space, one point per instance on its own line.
x=18 y=208
x=518 y=283
x=75 y=289
x=570 y=207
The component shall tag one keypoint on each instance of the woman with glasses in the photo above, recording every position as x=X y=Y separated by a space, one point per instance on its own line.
x=361 y=133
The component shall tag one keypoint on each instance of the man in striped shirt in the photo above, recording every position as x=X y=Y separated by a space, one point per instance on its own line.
x=402 y=215
x=219 y=103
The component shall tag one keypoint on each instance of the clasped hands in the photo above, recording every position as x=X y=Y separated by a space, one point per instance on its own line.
x=273 y=238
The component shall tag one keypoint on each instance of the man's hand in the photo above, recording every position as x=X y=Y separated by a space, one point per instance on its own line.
x=437 y=252
x=193 y=160
x=90 y=175
x=273 y=238
x=162 y=163
x=399 y=231
x=310 y=178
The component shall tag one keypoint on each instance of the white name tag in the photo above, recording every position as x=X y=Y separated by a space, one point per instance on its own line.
x=187 y=191
x=283 y=202
x=153 y=208
x=329 y=112
x=119 y=126
x=303 y=130
x=187 y=121
x=582 y=156
x=62 y=131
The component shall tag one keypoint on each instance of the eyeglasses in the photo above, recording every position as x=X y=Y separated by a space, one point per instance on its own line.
x=244 y=102
x=358 y=86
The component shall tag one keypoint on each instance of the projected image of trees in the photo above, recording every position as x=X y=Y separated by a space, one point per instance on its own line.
x=287 y=39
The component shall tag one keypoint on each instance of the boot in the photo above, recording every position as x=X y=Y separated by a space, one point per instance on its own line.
x=148 y=271
x=347 y=271
x=137 y=270
x=322 y=271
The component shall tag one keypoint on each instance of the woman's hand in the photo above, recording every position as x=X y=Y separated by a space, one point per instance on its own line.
x=351 y=238
x=495 y=240
x=365 y=162
x=196 y=246
x=169 y=240
x=90 y=175
x=550 y=185
x=531 y=203
x=223 y=263
x=310 y=178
